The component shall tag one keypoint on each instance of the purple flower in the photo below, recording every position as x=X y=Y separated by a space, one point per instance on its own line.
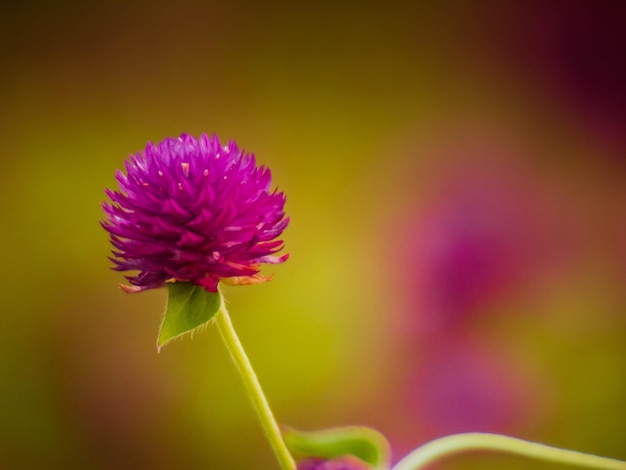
x=193 y=210
x=341 y=463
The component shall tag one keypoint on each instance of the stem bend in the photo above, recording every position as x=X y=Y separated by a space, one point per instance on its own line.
x=459 y=443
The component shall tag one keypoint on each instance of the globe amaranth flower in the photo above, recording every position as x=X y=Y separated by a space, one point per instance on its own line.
x=194 y=210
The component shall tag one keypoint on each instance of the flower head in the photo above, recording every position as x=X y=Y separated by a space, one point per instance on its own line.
x=194 y=210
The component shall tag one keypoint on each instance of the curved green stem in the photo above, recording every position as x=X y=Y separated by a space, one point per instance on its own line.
x=458 y=443
x=272 y=431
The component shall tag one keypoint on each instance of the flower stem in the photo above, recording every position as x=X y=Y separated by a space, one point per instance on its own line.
x=458 y=443
x=229 y=336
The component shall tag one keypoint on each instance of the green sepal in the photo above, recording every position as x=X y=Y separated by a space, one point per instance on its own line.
x=188 y=307
x=366 y=444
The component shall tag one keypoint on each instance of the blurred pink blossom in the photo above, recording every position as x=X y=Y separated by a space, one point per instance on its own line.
x=465 y=386
x=486 y=231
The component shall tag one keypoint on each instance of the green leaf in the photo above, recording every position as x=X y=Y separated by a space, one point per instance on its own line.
x=188 y=307
x=364 y=443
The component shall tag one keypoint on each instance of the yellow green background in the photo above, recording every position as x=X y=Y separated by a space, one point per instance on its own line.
x=359 y=109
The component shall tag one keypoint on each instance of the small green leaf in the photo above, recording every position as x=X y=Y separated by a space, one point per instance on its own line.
x=364 y=443
x=188 y=307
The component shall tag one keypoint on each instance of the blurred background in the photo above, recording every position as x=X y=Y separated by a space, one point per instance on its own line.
x=455 y=180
